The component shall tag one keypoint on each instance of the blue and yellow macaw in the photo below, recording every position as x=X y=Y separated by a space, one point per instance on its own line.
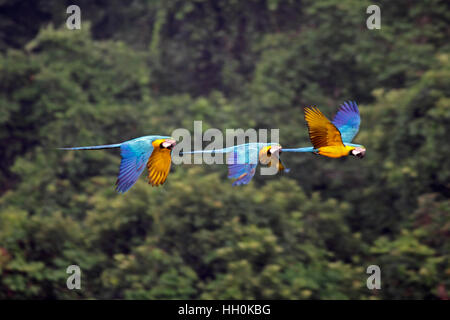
x=243 y=159
x=151 y=151
x=333 y=139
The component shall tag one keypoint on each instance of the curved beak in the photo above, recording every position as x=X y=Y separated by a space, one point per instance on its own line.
x=359 y=152
x=274 y=150
x=169 y=144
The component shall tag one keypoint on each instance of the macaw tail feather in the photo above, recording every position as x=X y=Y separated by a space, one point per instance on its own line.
x=307 y=149
x=105 y=146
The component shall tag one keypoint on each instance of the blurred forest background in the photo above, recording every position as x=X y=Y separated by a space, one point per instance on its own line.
x=148 y=67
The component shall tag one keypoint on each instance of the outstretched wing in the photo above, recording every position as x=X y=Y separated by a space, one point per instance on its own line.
x=135 y=154
x=347 y=120
x=242 y=162
x=322 y=132
x=159 y=166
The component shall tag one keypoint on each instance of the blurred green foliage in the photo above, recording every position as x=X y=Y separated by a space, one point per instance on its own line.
x=149 y=67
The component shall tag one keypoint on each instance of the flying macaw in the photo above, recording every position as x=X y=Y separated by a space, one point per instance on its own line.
x=333 y=139
x=151 y=151
x=243 y=159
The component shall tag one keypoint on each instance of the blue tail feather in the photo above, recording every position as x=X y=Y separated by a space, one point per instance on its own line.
x=307 y=149
x=105 y=146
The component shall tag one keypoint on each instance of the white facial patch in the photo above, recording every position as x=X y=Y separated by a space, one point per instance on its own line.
x=274 y=150
x=168 y=143
x=359 y=152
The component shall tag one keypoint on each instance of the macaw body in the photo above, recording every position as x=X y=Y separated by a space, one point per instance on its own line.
x=333 y=139
x=153 y=152
x=330 y=151
x=243 y=159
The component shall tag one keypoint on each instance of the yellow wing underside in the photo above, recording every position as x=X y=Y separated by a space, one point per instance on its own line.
x=321 y=131
x=158 y=166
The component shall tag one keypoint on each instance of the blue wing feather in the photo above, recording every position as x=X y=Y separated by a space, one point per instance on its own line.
x=242 y=163
x=135 y=154
x=347 y=120
x=236 y=169
x=246 y=178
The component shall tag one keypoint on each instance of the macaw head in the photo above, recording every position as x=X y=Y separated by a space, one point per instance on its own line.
x=266 y=154
x=167 y=143
x=359 y=152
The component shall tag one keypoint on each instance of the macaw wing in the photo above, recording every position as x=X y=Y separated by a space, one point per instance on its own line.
x=242 y=164
x=322 y=132
x=134 y=157
x=347 y=120
x=158 y=166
